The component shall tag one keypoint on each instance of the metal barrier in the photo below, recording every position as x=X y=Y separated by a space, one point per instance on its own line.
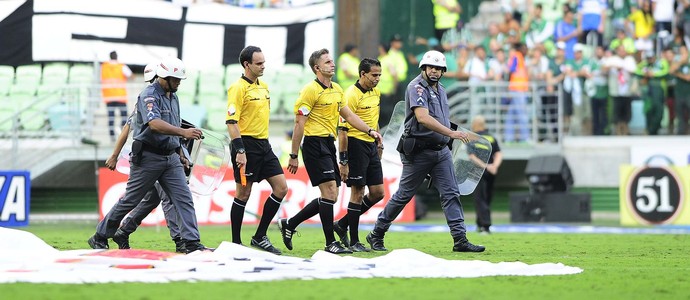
x=492 y=99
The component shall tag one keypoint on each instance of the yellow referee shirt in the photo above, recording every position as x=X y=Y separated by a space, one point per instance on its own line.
x=367 y=105
x=322 y=104
x=250 y=105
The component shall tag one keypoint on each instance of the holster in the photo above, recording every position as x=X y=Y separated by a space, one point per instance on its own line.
x=408 y=145
x=135 y=155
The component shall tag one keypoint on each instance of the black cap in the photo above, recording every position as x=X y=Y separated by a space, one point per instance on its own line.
x=396 y=37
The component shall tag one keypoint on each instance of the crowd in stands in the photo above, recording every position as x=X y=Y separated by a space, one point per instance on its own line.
x=602 y=60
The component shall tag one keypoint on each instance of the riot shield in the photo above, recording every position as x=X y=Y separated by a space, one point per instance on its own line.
x=470 y=160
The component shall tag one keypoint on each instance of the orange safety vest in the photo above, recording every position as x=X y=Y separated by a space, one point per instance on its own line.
x=518 y=79
x=113 y=83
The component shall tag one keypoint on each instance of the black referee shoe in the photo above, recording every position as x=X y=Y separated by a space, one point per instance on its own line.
x=286 y=232
x=342 y=234
x=337 y=248
x=264 y=244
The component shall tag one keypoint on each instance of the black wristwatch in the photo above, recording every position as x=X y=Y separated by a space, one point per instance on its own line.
x=343 y=162
x=369 y=131
x=241 y=150
x=293 y=156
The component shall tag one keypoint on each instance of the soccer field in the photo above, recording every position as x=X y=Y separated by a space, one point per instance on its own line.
x=616 y=266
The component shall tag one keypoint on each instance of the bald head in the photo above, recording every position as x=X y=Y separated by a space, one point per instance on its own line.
x=478 y=123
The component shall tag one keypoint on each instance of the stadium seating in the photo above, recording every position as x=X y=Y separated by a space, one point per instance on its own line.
x=211 y=84
x=82 y=74
x=6 y=79
x=216 y=112
x=32 y=119
x=193 y=113
x=63 y=118
x=187 y=92
x=28 y=75
x=232 y=72
x=55 y=73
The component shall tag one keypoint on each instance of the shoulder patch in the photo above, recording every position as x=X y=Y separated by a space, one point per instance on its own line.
x=303 y=111
x=149 y=99
x=231 y=110
x=420 y=89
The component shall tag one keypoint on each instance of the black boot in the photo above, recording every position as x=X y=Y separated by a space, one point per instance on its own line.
x=463 y=245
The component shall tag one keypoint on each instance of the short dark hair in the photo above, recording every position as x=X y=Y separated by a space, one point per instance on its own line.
x=247 y=53
x=113 y=55
x=366 y=64
x=349 y=47
x=315 y=56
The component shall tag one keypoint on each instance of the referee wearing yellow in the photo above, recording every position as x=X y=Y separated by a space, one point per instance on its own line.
x=317 y=110
x=252 y=156
x=360 y=155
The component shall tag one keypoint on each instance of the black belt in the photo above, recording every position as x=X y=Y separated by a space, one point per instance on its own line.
x=429 y=146
x=155 y=150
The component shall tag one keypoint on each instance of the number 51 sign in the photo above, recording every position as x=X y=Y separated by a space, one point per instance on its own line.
x=654 y=195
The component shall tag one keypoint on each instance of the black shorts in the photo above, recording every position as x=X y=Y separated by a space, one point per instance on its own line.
x=622 y=110
x=318 y=154
x=364 y=163
x=262 y=163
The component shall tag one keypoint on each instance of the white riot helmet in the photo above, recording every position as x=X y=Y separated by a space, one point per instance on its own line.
x=433 y=58
x=150 y=71
x=171 y=67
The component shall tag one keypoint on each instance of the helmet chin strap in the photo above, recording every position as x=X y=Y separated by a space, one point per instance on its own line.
x=429 y=79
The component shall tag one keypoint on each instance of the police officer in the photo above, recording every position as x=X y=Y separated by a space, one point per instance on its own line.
x=317 y=110
x=360 y=163
x=155 y=156
x=424 y=151
x=153 y=197
x=252 y=155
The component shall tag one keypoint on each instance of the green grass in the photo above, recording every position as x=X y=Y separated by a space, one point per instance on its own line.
x=615 y=267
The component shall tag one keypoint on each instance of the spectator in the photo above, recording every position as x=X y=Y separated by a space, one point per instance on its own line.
x=662 y=11
x=518 y=86
x=517 y=8
x=537 y=64
x=494 y=40
x=684 y=22
x=621 y=10
x=386 y=85
x=114 y=89
x=622 y=87
x=567 y=32
x=581 y=69
x=510 y=29
x=348 y=62
x=554 y=83
x=537 y=30
x=622 y=39
x=399 y=63
x=643 y=22
x=498 y=66
x=591 y=21
x=599 y=93
x=446 y=16
x=676 y=53
x=680 y=69
x=477 y=67
x=653 y=72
